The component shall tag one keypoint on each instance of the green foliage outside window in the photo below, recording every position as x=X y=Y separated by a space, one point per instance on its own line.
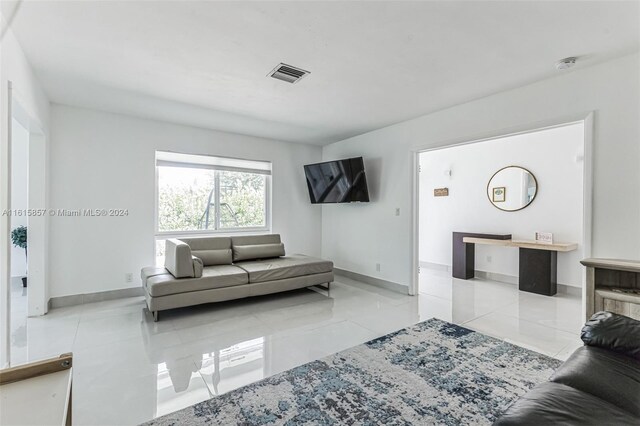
x=185 y=194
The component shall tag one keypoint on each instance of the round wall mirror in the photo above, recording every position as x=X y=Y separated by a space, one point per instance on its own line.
x=512 y=188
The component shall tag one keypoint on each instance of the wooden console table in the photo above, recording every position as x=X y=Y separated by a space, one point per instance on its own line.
x=613 y=285
x=538 y=262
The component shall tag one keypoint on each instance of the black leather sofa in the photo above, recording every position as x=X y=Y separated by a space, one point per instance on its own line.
x=598 y=385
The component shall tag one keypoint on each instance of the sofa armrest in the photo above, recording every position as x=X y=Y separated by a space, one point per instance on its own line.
x=177 y=258
x=613 y=332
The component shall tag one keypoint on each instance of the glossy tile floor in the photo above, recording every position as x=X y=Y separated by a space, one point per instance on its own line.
x=549 y=325
x=128 y=369
x=18 y=322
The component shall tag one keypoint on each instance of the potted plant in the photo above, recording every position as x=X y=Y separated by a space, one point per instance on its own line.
x=19 y=239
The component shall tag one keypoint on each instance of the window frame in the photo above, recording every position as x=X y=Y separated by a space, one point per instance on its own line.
x=161 y=235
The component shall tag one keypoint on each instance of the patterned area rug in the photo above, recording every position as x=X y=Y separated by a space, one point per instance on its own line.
x=430 y=373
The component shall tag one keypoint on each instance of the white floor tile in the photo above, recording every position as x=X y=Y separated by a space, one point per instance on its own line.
x=525 y=333
x=120 y=399
x=129 y=369
x=108 y=330
x=290 y=350
x=569 y=349
x=559 y=312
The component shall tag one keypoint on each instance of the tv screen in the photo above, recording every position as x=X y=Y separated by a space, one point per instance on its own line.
x=341 y=181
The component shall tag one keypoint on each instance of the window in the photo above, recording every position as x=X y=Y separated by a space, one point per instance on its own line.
x=199 y=194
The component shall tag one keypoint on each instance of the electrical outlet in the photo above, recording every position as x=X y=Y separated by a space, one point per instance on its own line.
x=397 y=211
x=488 y=259
x=128 y=277
x=377 y=267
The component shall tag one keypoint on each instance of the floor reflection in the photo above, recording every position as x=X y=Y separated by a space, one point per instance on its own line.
x=18 y=322
x=234 y=366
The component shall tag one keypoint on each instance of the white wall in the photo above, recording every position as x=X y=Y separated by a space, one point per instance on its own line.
x=549 y=154
x=104 y=160
x=356 y=237
x=19 y=191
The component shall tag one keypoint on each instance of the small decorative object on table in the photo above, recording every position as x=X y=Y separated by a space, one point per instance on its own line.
x=544 y=237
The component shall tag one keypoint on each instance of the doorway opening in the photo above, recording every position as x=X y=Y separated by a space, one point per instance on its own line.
x=459 y=190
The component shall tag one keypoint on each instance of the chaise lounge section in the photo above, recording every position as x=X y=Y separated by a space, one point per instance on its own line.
x=215 y=269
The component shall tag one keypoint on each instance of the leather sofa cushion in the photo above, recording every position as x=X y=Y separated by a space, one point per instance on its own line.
x=257 y=251
x=614 y=332
x=212 y=277
x=284 y=267
x=250 y=240
x=556 y=404
x=151 y=271
x=208 y=243
x=605 y=374
x=213 y=257
x=211 y=250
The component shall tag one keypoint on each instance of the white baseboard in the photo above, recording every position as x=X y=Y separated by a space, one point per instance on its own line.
x=376 y=282
x=79 y=299
x=495 y=276
x=435 y=266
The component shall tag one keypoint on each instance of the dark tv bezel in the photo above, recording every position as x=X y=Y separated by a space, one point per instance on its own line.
x=337 y=161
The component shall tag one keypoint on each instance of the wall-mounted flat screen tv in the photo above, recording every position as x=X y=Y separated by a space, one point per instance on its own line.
x=341 y=181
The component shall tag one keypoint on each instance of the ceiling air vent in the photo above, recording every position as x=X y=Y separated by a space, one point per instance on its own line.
x=288 y=73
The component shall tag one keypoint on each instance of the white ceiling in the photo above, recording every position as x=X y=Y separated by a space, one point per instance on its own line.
x=372 y=63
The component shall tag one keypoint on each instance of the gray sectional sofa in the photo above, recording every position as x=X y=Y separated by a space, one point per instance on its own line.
x=215 y=269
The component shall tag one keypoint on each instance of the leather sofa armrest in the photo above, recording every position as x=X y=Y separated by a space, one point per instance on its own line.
x=198 y=266
x=178 y=259
x=613 y=332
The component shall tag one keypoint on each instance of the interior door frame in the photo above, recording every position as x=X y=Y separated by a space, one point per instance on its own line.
x=5 y=224
x=586 y=118
x=38 y=225
x=37 y=199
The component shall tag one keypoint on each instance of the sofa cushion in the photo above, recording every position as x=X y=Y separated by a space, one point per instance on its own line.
x=284 y=267
x=556 y=404
x=218 y=276
x=208 y=243
x=257 y=251
x=151 y=271
x=614 y=332
x=213 y=257
x=211 y=250
x=250 y=240
x=605 y=374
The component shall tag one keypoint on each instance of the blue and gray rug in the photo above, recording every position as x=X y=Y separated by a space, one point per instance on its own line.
x=430 y=373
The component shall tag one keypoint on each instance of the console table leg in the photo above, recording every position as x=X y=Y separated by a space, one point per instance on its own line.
x=464 y=259
x=464 y=254
x=538 y=271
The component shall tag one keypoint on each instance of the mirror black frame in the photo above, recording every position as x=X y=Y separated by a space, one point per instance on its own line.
x=523 y=207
